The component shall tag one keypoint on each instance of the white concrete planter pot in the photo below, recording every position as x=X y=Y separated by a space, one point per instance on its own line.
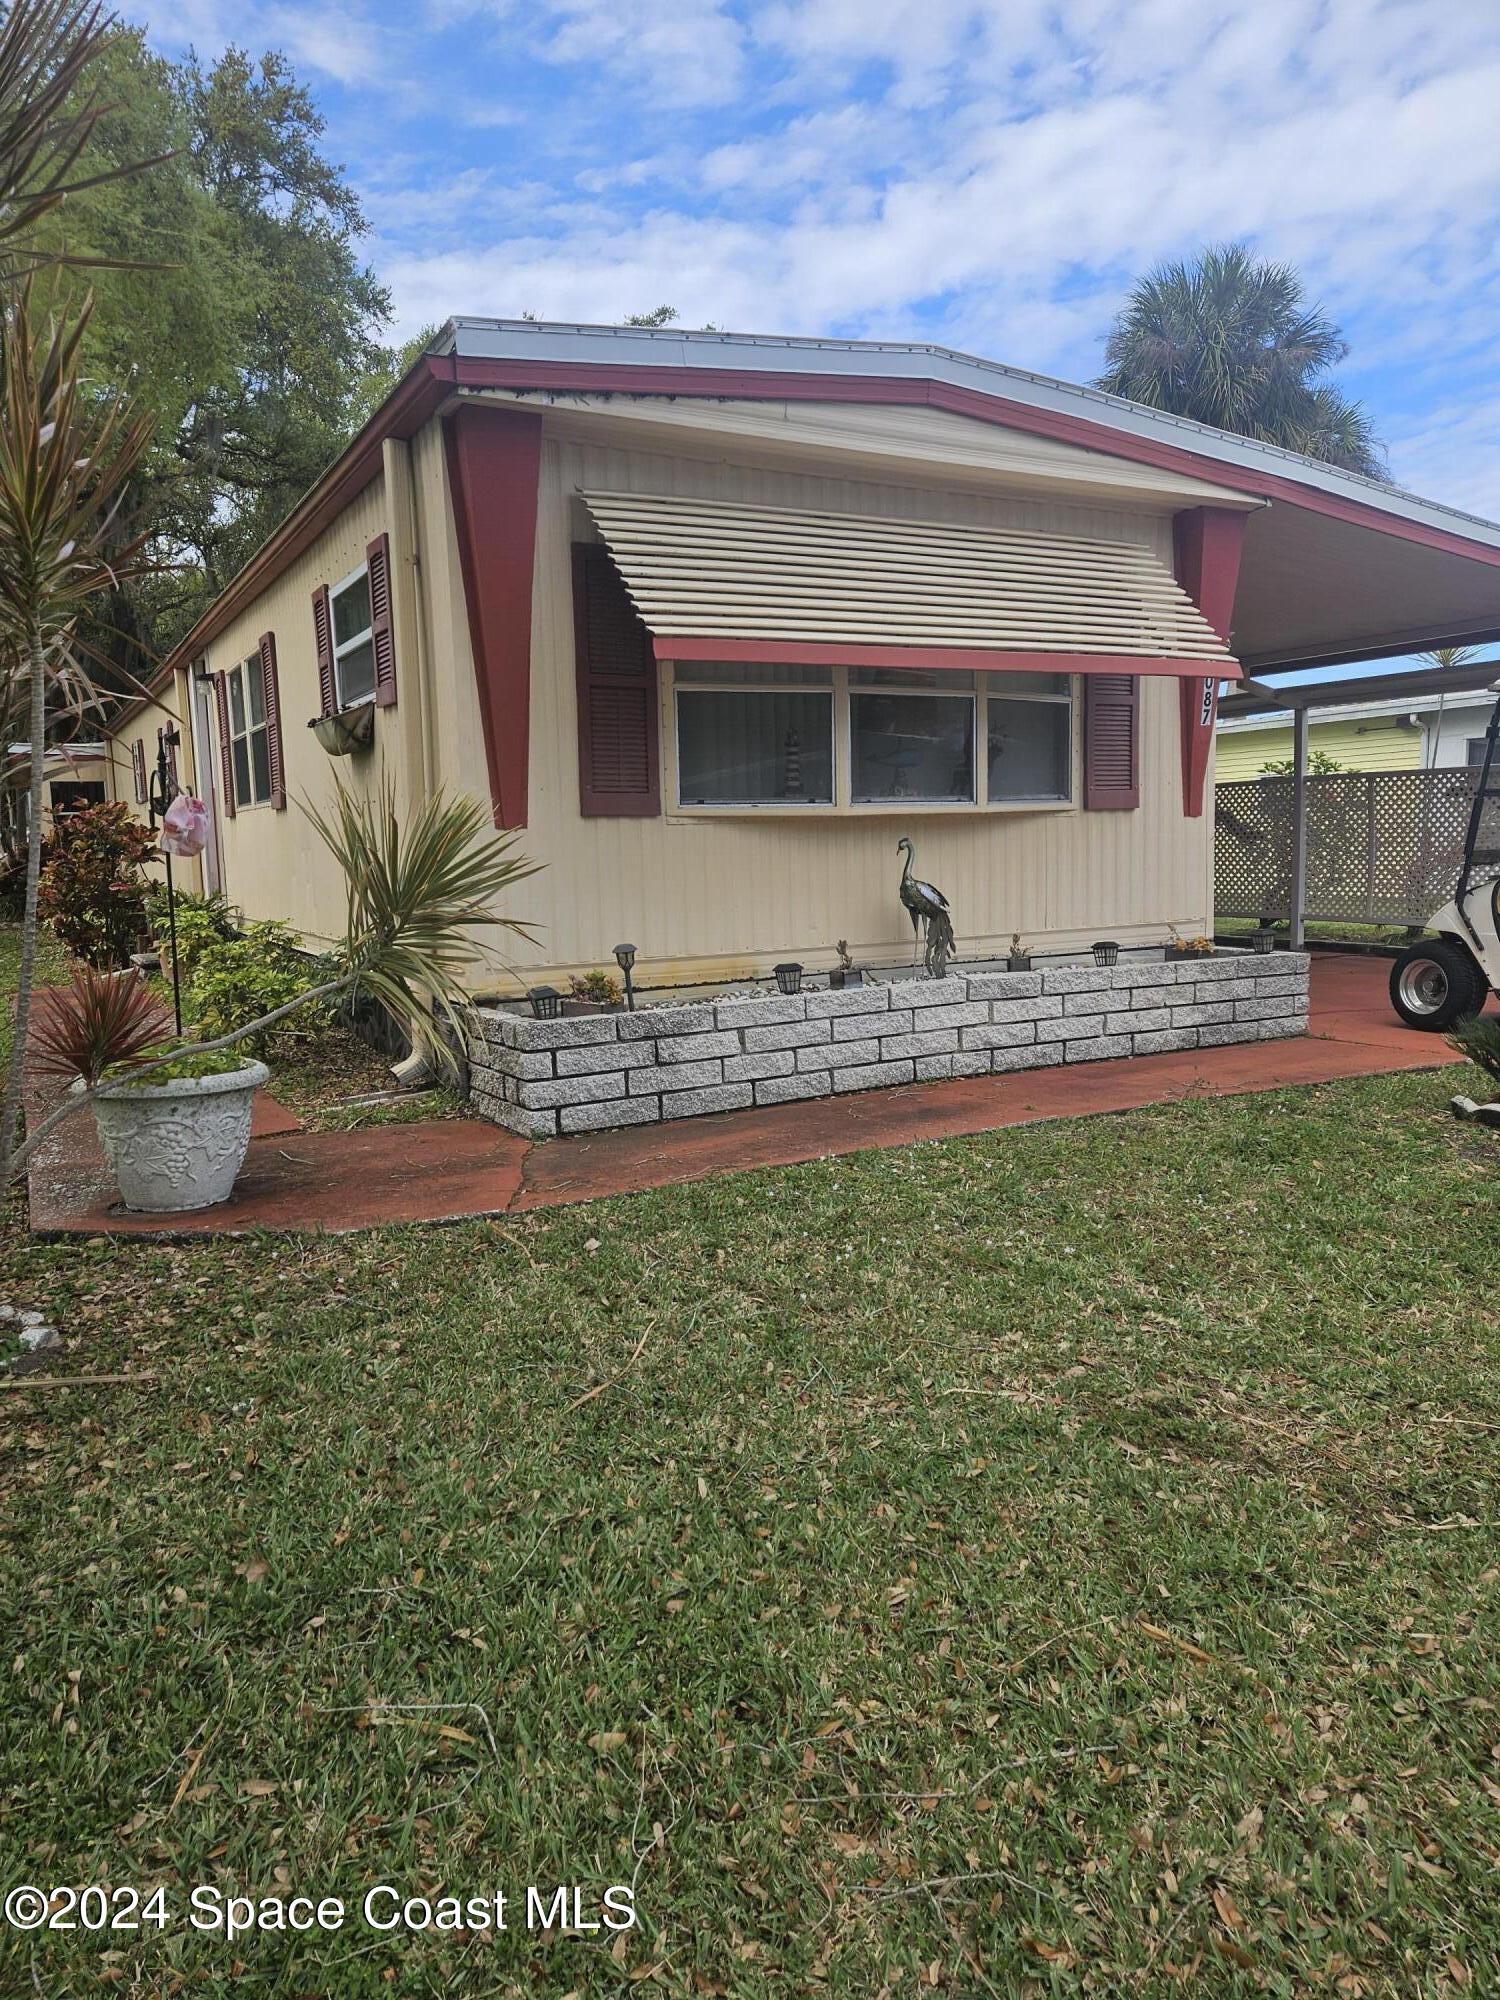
x=178 y=1145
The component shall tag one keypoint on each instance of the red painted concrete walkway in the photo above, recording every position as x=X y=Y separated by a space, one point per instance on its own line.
x=443 y=1170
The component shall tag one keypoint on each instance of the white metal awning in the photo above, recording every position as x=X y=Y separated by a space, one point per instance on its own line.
x=709 y=575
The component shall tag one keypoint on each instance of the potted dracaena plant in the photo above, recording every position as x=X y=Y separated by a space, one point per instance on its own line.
x=174 y=1117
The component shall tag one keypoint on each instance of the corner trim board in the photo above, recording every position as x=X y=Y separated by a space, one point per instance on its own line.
x=1206 y=546
x=494 y=466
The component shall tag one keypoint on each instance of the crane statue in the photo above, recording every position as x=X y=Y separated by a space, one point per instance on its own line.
x=927 y=907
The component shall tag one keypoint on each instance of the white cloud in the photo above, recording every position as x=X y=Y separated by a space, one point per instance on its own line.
x=987 y=172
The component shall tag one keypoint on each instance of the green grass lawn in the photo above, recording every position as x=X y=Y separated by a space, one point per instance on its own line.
x=51 y=966
x=1056 y=1562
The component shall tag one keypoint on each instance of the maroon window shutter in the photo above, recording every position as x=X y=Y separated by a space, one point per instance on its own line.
x=328 y=694
x=617 y=756
x=1111 y=742
x=226 y=754
x=138 y=769
x=272 y=695
x=378 y=563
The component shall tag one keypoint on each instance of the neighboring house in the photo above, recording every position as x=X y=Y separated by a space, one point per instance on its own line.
x=74 y=775
x=712 y=620
x=1414 y=734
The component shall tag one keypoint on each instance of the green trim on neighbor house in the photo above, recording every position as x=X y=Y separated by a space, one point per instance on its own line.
x=1359 y=743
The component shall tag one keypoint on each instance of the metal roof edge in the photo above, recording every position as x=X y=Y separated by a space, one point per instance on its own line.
x=577 y=342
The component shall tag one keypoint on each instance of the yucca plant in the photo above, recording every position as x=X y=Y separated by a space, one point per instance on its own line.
x=65 y=458
x=105 y=1021
x=414 y=896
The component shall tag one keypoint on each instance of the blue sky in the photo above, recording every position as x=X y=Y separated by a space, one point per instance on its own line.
x=989 y=176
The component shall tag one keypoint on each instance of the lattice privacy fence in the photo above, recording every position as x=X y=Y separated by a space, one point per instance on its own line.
x=1383 y=847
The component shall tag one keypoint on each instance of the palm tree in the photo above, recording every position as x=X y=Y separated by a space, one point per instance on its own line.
x=65 y=459
x=66 y=450
x=1233 y=342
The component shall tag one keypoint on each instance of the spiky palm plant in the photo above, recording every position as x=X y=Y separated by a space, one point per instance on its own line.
x=415 y=895
x=46 y=119
x=65 y=458
x=1233 y=342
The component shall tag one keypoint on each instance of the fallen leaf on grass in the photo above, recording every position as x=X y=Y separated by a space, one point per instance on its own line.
x=259 y=1788
x=606 y=1740
x=1175 y=1640
x=1052 y=1954
x=1229 y=1910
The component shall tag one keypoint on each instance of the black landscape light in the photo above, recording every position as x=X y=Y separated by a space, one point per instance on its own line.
x=789 y=977
x=1106 y=952
x=546 y=1002
x=625 y=959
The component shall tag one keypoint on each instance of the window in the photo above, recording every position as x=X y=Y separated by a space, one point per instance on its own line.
x=353 y=639
x=1030 y=739
x=907 y=740
x=249 y=737
x=71 y=795
x=755 y=736
x=871 y=737
x=1474 y=750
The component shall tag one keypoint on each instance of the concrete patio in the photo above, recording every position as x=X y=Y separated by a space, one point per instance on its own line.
x=447 y=1170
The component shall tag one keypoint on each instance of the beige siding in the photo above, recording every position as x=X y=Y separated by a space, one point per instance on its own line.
x=701 y=898
x=273 y=864
x=875 y=438
x=715 y=897
x=169 y=708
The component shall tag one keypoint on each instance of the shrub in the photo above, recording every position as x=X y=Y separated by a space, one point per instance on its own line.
x=237 y=978
x=92 y=890
x=598 y=986
x=201 y=922
x=1479 y=1040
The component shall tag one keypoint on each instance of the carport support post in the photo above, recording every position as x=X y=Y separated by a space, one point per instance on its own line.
x=1299 y=823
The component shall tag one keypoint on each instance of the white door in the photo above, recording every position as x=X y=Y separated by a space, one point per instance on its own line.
x=207 y=770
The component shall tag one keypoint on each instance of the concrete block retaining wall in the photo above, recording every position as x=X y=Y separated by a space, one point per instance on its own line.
x=583 y=1073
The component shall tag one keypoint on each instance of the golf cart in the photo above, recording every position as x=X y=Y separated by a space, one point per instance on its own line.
x=1449 y=977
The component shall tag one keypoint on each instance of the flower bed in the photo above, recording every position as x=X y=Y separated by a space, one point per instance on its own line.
x=541 y=1078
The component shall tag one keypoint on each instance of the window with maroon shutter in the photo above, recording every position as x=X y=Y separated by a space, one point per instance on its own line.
x=226 y=751
x=1111 y=742
x=271 y=697
x=378 y=563
x=138 y=769
x=617 y=736
x=328 y=699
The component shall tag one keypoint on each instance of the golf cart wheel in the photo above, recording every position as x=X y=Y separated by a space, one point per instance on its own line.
x=1435 y=984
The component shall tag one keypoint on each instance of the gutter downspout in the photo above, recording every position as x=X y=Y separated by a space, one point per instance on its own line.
x=410 y=611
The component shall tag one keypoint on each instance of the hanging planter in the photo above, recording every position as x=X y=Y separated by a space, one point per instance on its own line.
x=346 y=731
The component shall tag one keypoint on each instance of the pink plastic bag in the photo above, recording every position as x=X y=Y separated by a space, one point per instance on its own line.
x=184 y=829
